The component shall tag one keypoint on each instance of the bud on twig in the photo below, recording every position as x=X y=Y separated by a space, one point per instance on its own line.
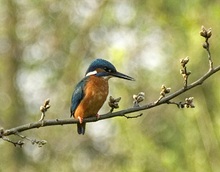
x=44 y=108
x=113 y=103
x=138 y=98
x=164 y=90
x=206 y=33
x=184 y=61
x=184 y=71
x=189 y=102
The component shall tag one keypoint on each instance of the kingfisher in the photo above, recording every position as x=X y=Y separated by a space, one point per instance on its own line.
x=91 y=92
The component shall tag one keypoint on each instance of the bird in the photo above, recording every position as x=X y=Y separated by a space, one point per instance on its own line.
x=91 y=92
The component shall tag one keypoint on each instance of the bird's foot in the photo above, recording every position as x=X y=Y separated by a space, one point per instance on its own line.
x=97 y=116
x=80 y=120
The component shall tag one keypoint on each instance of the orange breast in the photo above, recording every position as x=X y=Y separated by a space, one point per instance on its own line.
x=96 y=92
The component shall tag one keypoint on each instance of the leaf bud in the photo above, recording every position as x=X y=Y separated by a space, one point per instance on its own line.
x=209 y=33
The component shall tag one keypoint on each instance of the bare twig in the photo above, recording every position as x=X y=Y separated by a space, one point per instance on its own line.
x=40 y=143
x=209 y=54
x=136 y=116
x=162 y=100
x=187 y=104
x=165 y=100
x=15 y=143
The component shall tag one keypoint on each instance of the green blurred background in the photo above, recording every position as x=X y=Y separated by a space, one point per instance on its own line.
x=45 y=48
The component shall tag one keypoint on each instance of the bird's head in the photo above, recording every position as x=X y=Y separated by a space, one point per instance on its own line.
x=105 y=69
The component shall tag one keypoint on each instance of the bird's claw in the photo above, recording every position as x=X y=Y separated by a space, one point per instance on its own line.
x=97 y=116
x=80 y=120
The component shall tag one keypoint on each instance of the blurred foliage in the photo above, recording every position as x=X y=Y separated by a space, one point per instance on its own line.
x=45 y=48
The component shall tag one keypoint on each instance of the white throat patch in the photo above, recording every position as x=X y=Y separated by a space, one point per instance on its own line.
x=91 y=73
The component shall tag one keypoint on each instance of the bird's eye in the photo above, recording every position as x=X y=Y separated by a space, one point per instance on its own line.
x=107 y=69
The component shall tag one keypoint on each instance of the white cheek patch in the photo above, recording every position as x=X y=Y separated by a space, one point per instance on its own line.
x=91 y=73
x=106 y=77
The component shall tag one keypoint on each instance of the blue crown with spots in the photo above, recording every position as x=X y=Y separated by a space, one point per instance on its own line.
x=102 y=64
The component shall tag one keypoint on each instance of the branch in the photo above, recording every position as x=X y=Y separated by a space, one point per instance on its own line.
x=122 y=113
x=114 y=102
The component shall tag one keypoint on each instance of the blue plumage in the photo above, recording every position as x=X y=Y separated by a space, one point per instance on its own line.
x=101 y=64
x=78 y=95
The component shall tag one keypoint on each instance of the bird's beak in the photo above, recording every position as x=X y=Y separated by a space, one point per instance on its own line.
x=123 y=76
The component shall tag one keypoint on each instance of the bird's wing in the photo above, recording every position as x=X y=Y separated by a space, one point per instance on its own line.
x=77 y=96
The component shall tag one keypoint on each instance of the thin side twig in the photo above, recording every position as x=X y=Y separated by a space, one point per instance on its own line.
x=209 y=54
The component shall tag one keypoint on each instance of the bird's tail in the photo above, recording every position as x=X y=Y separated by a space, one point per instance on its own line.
x=81 y=128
